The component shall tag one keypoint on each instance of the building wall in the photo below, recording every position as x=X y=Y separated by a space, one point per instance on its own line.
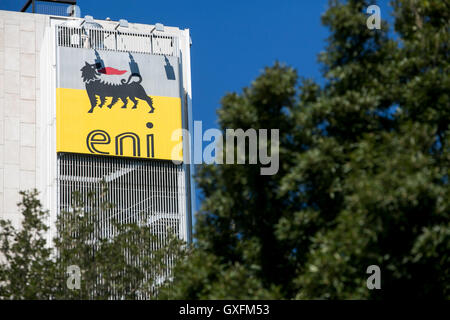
x=21 y=36
x=27 y=109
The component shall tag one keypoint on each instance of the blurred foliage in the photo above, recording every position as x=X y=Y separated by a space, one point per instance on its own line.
x=113 y=256
x=363 y=177
x=26 y=267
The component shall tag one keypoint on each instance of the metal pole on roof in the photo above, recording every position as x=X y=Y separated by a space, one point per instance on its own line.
x=32 y=2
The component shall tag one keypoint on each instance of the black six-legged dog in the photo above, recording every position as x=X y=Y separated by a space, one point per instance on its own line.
x=96 y=87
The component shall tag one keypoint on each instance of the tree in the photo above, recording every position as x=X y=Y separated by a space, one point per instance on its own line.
x=363 y=178
x=116 y=260
x=238 y=254
x=26 y=269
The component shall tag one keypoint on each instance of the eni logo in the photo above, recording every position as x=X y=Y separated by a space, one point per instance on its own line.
x=99 y=86
x=126 y=89
x=101 y=137
x=106 y=106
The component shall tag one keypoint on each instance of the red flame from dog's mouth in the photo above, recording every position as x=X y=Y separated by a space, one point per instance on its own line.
x=111 y=71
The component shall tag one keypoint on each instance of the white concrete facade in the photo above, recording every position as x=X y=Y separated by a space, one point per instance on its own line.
x=21 y=36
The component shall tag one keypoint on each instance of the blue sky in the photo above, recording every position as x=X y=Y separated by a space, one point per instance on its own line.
x=232 y=40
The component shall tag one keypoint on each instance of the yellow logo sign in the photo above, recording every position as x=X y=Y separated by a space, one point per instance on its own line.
x=116 y=119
